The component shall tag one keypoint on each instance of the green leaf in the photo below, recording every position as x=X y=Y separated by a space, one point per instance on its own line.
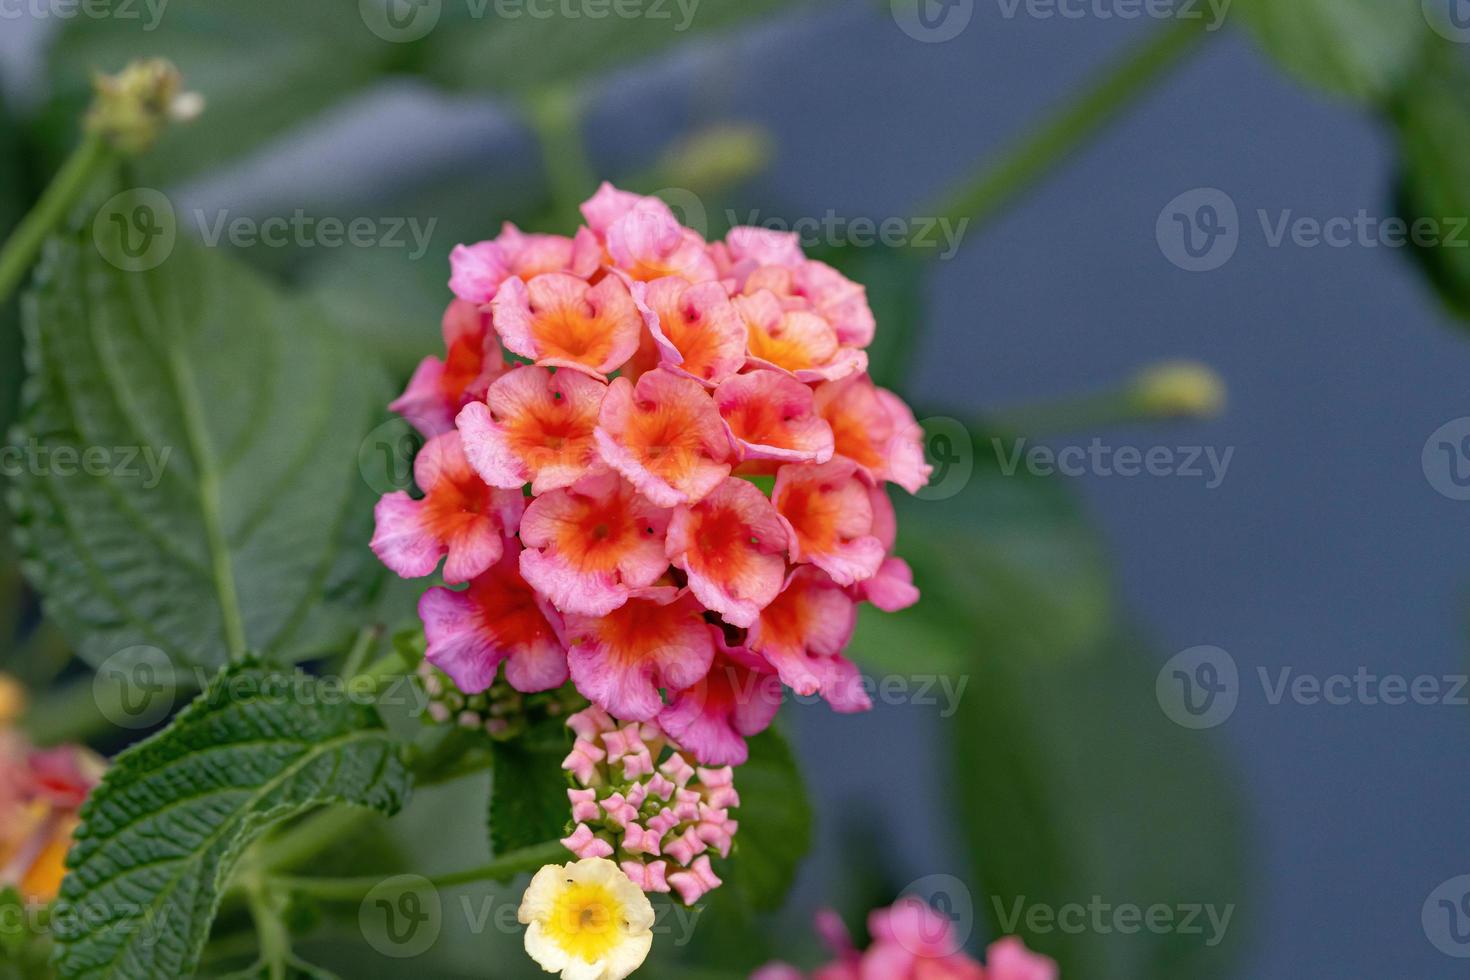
x=775 y=825
x=523 y=54
x=1069 y=780
x=161 y=835
x=1432 y=118
x=13 y=204
x=263 y=67
x=528 y=790
x=224 y=509
x=1361 y=49
x=25 y=944
x=894 y=278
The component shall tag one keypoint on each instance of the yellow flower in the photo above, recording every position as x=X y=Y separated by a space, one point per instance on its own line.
x=587 y=920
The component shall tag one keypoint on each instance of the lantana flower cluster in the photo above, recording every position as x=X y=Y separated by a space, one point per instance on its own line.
x=41 y=796
x=655 y=468
x=599 y=510
x=913 y=941
x=642 y=802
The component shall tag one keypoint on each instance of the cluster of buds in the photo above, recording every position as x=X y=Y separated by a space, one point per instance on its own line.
x=500 y=710
x=641 y=802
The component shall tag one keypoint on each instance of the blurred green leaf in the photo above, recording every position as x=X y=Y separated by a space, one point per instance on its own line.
x=775 y=825
x=528 y=789
x=895 y=279
x=268 y=66
x=14 y=200
x=1358 y=48
x=1069 y=779
x=162 y=833
x=224 y=508
x=1432 y=115
x=262 y=66
x=522 y=52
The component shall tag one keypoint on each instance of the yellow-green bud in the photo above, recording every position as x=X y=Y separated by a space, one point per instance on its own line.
x=717 y=157
x=1177 y=389
x=131 y=109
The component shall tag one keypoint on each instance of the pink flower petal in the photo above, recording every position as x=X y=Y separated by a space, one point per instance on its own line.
x=590 y=545
x=558 y=320
x=771 y=415
x=829 y=519
x=695 y=328
x=534 y=427
x=498 y=618
x=657 y=639
x=732 y=544
x=665 y=436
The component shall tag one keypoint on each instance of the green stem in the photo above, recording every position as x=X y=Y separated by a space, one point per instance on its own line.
x=362 y=648
x=556 y=117
x=1074 y=414
x=1024 y=166
x=310 y=837
x=502 y=869
x=275 y=938
x=76 y=175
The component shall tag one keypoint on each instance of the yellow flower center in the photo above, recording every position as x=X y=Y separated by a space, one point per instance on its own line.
x=587 y=921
